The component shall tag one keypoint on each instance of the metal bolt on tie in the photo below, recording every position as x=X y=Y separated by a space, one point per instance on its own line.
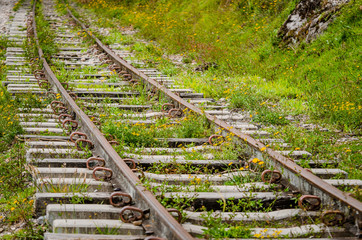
x=130 y=214
x=114 y=142
x=43 y=84
x=96 y=122
x=38 y=71
x=55 y=103
x=333 y=217
x=174 y=210
x=80 y=140
x=39 y=80
x=39 y=74
x=108 y=173
x=168 y=106
x=73 y=123
x=64 y=116
x=134 y=82
x=273 y=179
x=73 y=95
x=100 y=162
x=121 y=199
x=175 y=113
x=127 y=76
x=215 y=137
x=79 y=134
x=59 y=110
x=130 y=162
x=313 y=202
x=65 y=85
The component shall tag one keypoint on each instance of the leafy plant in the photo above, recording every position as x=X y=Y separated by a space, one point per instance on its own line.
x=217 y=229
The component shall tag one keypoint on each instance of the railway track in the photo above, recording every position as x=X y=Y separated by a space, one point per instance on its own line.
x=119 y=152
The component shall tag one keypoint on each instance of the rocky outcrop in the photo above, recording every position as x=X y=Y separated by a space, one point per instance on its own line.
x=308 y=20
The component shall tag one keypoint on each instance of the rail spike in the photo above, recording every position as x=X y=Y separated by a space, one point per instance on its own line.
x=130 y=214
x=130 y=162
x=79 y=144
x=175 y=113
x=120 y=199
x=174 y=210
x=100 y=162
x=64 y=116
x=106 y=174
x=79 y=135
x=275 y=176
x=166 y=107
x=218 y=138
x=73 y=124
x=309 y=202
x=333 y=217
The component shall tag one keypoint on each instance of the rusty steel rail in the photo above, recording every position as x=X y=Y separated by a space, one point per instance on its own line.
x=162 y=223
x=299 y=177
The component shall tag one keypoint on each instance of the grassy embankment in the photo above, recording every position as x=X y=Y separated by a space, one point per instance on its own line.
x=319 y=82
x=16 y=204
x=321 y=78
x=17 y=189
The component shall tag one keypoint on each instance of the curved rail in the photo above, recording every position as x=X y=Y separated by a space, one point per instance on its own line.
x=299 y=177
x=164 y=225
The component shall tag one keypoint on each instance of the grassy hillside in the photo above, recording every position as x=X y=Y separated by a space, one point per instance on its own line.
x=254 y=69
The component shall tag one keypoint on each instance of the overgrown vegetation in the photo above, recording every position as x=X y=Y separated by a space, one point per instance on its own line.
x=9 y=124
x=18 y=4
x=45 y=35
x=217 y=229
x=267 y=106
x=325 y=146
x=321 y=78
x=191 y=126
x=316 y=83
x=16 y=202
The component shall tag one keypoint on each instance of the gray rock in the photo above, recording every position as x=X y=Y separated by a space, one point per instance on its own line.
x=308 y=20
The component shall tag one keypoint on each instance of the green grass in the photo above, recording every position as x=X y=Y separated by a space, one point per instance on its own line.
x=241 y=37
x=217 y=229
x=17 y=5
x=9 y=124
x=191 y=126
x=45 y=34
x=324 y=146
x=16 y=202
